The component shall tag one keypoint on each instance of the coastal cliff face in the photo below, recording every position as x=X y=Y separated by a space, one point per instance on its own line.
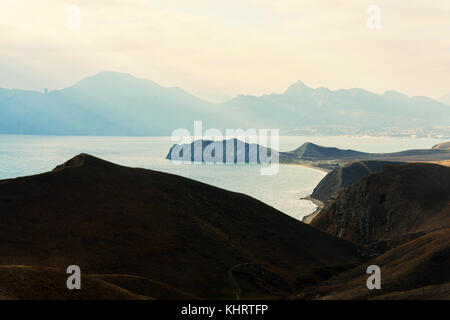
x=330 y=186
x=395 y=204
x=401 y=216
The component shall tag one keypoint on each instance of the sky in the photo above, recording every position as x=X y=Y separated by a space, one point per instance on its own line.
x=218 y=49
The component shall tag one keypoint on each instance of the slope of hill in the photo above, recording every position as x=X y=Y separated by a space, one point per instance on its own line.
x=401 y=215
x=180 y=237
x=27 y=283
x=329 y=158
x=417 y=269
x=442 y=146
x=329 y=187
x=311 y=151
x=445 y=99
x=393 y=205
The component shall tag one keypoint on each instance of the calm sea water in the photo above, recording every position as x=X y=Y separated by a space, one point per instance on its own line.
x=22 y=155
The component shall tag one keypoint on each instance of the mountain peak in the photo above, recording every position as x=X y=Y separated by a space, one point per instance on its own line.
x=106 y=79
x=297 y=88
x=84 y=160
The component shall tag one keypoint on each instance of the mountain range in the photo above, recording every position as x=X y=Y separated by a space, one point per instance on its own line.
x=111 y=103
x=445 y=99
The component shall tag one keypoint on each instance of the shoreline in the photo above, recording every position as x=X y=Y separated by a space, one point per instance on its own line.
x=309 y=217
x=311 y=166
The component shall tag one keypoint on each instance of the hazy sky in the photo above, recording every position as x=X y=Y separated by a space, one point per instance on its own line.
x=220 y=48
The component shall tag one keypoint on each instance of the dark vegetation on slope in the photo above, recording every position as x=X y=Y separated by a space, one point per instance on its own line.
x=401 y=215
x=329 y=187
x=181 y=238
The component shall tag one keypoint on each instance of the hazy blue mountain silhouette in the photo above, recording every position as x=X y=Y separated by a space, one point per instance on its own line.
x=445 y=99
x=108 y=103
x=340 y=110
x=112 y=103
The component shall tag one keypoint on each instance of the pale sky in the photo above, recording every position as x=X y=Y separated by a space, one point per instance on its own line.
x=220 y=48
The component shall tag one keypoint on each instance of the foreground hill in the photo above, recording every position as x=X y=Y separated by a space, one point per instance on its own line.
x=417 y=269
x=154 y=235
x=394 y=203
x=25 y=283
x=401 y=215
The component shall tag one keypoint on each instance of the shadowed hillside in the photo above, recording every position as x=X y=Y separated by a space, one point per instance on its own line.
x=181 y=238
x=396 y=202
x=311 y=151
x=329 y=187
x=442 y=146
x=401 y=215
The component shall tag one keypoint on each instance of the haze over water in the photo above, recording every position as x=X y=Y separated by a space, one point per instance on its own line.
x=22 y=155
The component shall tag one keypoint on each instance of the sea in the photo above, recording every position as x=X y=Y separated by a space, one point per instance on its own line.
x=22 y=155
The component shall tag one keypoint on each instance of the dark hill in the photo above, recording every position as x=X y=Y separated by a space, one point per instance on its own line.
x=442 y=146
x=181 y=238
x=311 y=151
x=401 y=215
x=336 y=180
x=228 y=151
x=394 y=204
x=417 y=269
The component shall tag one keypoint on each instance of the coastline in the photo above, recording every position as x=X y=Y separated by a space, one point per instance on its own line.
x=309 y=217
x=308 y=165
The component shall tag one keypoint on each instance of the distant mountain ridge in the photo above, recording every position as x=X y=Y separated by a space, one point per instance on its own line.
x=108 y=103
x=307 y=110
x=445 y=99
x=112 y=103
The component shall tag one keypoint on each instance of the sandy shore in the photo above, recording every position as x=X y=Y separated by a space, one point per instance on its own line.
x=309 y=166
x=308 y=218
